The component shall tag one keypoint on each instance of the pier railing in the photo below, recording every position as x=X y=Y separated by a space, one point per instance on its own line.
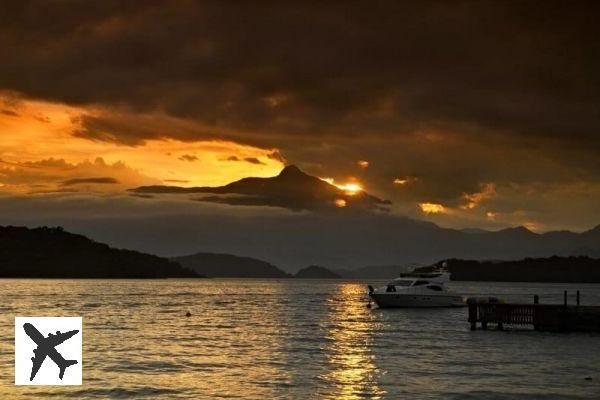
x=546 y=317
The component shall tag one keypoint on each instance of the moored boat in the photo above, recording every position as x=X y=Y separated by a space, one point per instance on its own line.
x=417 y=290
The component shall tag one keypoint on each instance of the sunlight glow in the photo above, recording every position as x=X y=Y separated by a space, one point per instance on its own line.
x=340 y=203
x=351 y=188
x=432 y=208
x=402 y=181
x=38 y=151
x=472 y=200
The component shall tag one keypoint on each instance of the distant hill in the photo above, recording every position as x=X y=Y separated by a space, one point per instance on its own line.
x=474 y=231
x=316 y=272
x=54 y=253
x=374 y=272
x=229 y=266
x=343 y=230
x=346 y=240
x=552 y=269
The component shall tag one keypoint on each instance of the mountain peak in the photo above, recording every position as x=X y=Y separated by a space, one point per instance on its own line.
x=595 y=229
x=518 y=230
x=292 y=189
x=291 y=170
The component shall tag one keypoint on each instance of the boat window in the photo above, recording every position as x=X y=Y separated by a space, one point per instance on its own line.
x=420 y=283
x=401 y=282
x=435 y=287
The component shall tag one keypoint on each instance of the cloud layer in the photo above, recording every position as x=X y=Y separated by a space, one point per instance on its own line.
x=454 y=98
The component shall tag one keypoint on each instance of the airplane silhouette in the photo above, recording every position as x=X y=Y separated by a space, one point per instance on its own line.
x=46 y=347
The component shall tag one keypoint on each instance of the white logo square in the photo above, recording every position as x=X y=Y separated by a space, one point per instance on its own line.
x=48 y=350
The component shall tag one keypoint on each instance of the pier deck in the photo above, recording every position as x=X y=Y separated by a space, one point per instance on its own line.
x=542 y=317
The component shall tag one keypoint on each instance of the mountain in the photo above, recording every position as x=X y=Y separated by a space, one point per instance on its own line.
x=54 y=253
x=348 y=237
x=316 y=272
x=229 y=266
x=375 y=271
x=292 y=189
x=338 y=240
x=474 y=231
x=549 y=269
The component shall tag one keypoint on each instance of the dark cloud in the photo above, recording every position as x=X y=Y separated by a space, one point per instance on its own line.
x=459 y=94
x=188 y=157
x=320 y=69
x=99 y=180
x=10 y=113
x=177 y=180
x=142 y=196
x=251 y=160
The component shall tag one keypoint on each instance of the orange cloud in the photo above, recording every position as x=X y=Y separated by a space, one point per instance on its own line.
x=488 y=190
x=351 y=188
x=405 y=180
x=432 y=208
x=55 y=175
x=36 y=134
x=340 y=203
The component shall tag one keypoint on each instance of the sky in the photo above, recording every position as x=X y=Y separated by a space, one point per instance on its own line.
x=463 y=113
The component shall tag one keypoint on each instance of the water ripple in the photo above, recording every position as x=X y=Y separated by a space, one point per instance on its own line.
x=295 y=339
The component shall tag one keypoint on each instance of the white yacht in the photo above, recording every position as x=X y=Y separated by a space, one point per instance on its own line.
x=417 y=290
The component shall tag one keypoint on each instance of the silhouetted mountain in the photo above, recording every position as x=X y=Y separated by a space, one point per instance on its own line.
x=338 y=240
x=229 y=266
x=375 y=272
x=54 y=253
x=291 y=189
x=474 y=231
x=551 y=269
x=316 y=272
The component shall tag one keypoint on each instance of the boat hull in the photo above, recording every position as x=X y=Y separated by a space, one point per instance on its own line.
x=399 y=300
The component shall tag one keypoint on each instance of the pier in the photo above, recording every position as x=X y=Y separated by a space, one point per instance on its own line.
x=541 y=317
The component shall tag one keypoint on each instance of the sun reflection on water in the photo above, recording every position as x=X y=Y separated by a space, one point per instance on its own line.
x=353 y=372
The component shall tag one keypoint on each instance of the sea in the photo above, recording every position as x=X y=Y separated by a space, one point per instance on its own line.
x=296 y=339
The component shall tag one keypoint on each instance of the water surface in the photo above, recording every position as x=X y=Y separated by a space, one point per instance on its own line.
x=295 y=339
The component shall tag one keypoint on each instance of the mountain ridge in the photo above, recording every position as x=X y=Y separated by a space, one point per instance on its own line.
x=291 y=188
x=219 y=265
x=55 y=253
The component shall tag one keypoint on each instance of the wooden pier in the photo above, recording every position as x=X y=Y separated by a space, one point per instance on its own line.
x=542 y=317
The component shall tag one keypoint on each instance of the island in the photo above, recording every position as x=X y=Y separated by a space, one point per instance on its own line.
x=316 y=272
x=549 y=269
x=54 y=253
x=215 y=265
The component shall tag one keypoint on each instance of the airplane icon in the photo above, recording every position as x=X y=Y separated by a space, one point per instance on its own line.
x=46 y=347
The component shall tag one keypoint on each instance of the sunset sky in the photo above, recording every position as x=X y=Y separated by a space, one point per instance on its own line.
x=466 y=114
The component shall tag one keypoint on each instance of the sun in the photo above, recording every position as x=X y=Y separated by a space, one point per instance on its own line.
x=350 y=188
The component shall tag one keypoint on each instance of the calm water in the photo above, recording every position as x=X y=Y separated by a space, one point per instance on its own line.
x=295 y=339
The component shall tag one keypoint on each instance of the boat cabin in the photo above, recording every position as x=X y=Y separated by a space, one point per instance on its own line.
x=434 y=282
